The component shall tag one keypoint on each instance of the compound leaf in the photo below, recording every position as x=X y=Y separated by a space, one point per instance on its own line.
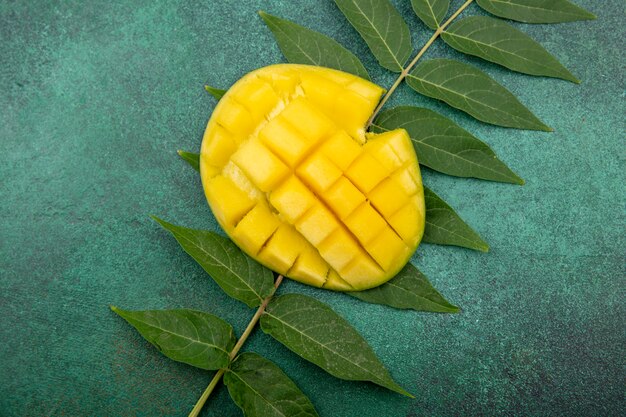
x=536 y=11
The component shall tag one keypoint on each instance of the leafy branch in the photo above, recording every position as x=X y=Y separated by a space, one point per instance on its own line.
x=405 y=71
x=233 y=353
x=303 y=324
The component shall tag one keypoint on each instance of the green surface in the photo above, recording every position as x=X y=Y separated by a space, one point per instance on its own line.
x=95 y=99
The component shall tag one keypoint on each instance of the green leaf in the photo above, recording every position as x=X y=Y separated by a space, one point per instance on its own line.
x=193 y=159
x=497 y=41
x=261 y=389
x=469 y=89
x=445 y=227
x=315 y=332
x=305 y=46
x=442 y=145
x=383 y=29
x=237 y=274
x=431 y=12
x=410 y=289
x=536 y=11
x=192 y=337
x=215 y=92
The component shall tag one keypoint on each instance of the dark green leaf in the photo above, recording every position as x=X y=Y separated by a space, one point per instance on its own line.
x=442 y=145
x=192 y=337
x=410 y=289
x=315 y=332
x=499 y=42
x=536 y=11
x=431 y=12
x=215 y=92
x=383 y=29
x=262 y=389
x=305 y=46
x=445 y=227
x=193 y=159
x=469 y=89
x=239 y=276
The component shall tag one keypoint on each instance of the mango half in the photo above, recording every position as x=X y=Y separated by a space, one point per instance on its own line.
x=296 y=182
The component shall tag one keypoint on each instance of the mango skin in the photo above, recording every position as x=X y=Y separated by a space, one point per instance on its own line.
x=295 y=181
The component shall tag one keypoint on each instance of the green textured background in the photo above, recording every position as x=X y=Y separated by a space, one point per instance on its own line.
x=96 y=97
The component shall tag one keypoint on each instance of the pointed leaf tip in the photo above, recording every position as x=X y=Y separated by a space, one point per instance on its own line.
x=445 y=227
x=318 y=334
x=193 y=159
x=409 y=289
x=193 y=337
x=157 y=219
x=469 y=89
x=215 y=92
x=301 y=45
x=239 y=276
x=537 y=11
x=499 y=42
x=444 y=146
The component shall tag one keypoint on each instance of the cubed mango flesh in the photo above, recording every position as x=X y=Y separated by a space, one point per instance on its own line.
x=295 y=181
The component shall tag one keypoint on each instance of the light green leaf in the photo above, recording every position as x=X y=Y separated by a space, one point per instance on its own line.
x=305 y=46
x=410 y=289
x=445 y=227
x=215 y=92
x=193 y=159
x=383 y=29
x=497 y=41
x=431 y=12
x=315 y=332
x=469 y=89
x=237 y=274
x=261 y=389
x=536 y=11
x=442 y=145
x=192 y=337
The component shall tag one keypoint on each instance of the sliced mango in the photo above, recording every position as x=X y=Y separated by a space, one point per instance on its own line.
x=256 y=227
x=317 y=224
x=267 y=171
x=292 y=199
x=296 y=182
x=283 y=248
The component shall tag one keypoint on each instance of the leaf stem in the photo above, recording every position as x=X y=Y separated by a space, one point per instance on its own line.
x=246 y=333
x=421 y=52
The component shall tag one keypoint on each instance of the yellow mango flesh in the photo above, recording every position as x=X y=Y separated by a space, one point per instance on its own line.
x=295 y=181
